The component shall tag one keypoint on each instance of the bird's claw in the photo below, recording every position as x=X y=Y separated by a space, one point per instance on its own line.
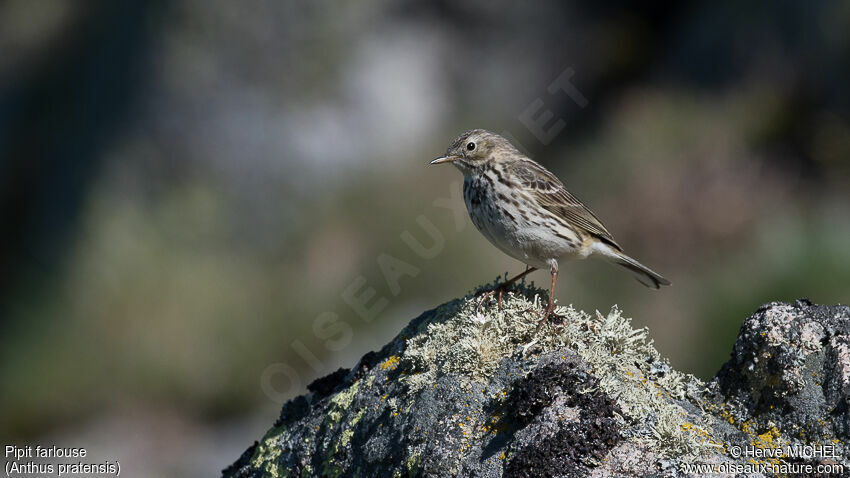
x=551 y=316
x=500 y=290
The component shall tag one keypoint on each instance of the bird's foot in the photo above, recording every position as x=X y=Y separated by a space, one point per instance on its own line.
x=498 y=291
x=551 y=316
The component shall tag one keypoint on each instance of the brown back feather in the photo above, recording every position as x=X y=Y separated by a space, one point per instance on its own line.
x=552 y=196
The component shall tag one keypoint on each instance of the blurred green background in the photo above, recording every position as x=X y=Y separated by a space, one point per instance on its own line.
x=187 y=186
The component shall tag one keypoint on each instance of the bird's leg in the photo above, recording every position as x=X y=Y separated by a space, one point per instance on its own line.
x=550 y=309
x=506 y=284
x=503 y=287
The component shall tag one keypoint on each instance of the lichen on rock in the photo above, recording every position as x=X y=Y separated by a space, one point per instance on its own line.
x=463 y=391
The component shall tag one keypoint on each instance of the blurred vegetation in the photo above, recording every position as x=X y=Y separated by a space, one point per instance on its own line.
x=186 y=188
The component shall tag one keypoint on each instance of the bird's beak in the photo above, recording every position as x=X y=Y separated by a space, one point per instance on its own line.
x=444 y=159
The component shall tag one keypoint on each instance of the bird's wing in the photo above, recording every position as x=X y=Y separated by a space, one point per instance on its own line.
x=552 y=196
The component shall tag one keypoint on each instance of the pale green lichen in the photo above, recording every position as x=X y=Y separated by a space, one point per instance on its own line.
x=463 y=340
x=413 y=463
x=331 y=469
x=340 y=402
x=357 y=416
x=338 y=407
x=346 y=436
x=265 y=456
x=411 y=466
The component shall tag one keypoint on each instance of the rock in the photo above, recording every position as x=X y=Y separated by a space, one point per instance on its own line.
x=789 y=375
x=458 y=393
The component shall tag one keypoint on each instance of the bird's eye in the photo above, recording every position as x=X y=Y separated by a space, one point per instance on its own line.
x=470 y=146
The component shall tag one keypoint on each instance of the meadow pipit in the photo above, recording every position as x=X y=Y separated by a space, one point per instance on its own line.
x=525 y=211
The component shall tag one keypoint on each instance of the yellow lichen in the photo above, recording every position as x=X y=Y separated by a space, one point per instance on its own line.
x=390 y=363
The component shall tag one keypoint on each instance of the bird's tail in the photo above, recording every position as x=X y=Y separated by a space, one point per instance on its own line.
x=643 y=274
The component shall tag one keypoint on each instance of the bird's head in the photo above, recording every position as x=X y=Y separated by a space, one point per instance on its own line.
x=475 y=148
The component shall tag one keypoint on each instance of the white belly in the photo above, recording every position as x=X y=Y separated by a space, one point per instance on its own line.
x=510 y=224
